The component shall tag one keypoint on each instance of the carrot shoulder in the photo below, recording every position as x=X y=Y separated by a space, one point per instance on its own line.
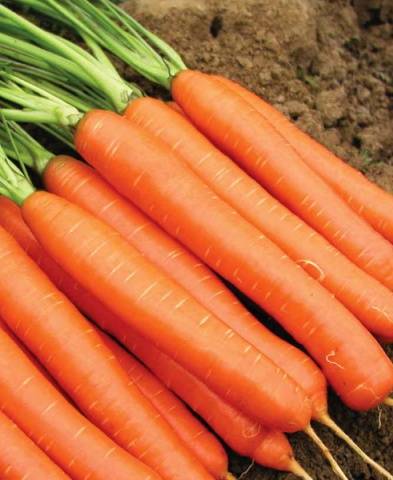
x=161 y=310
x=248 y=138
x=362 y=195
x=21 y=458
x=144 y=169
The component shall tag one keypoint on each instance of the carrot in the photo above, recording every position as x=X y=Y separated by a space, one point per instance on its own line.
x=362 y=195
x=67 y=437
x=302 y=370
x=246 y=136
x=271 y=449
x=158 y=307
x=81 y=185
x=195 y=436
x=21 y=458
x=53 y=330
x=268 y=448
x=204 y=445
x=161 y=185
x=369 y=300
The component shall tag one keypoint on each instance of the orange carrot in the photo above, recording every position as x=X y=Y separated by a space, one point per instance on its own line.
x=369 y=300
x=244 y=435
x=269 y=449
x=53 y=330
x=203 y=443
x=81 y=185
x=70 y=440
x=362 y=195
x=248 y=138
x=163 y=312
x=144 y=169
x=21 y=458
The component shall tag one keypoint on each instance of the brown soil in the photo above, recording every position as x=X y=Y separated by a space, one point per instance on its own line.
x=328 y=64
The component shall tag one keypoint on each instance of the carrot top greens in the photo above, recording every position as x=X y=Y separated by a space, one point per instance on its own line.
x=103 y=23
x=62 y=57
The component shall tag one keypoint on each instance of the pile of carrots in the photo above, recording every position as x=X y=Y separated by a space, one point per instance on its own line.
x=115 y=326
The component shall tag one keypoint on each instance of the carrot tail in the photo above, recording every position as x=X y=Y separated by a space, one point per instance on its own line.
x=326 y=452
x=388 y=401
x=299 y=471
x=229 y=476
x=330 y=423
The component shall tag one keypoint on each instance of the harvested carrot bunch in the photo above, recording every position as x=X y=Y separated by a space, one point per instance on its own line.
x=132 y=241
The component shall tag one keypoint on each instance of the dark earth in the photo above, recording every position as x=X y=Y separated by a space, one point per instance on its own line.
x=328 y=64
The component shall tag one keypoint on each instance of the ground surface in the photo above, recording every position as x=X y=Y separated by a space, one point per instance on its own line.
x=328 y=64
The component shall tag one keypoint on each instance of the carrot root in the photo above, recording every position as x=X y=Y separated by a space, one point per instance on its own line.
x=330 y=423
x=299 y=471
x=388 y=401
x=326 y=452
x=229 y=476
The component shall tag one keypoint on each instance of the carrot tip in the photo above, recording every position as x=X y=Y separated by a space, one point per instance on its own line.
x=326 y=452
x=229 y=476
x=330 y=423
x=388 y=401
x=298 y=470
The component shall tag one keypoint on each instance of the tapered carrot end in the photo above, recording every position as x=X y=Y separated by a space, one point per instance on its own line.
x=229 y=476
x=298 y=470
x=326 y=452
x=330 y=423
x=388 y=401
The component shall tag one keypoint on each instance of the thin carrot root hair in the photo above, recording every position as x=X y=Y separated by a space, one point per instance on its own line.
x=326 y=452
x=247 y=471
x=299 y=471
x=388 y=401
x=330 y=423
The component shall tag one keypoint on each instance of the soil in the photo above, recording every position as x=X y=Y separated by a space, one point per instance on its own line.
x=328 y=64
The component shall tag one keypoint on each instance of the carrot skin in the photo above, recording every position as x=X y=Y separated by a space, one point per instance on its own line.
x=204 y=445
x=146 y=171
x=270 y=449
x=245 y=436
x=21 y=458
x=249 y=139
x=349 y=183
x=81 y=185
x=67 y=437
x=157 y=307
x=369 y=300
x=51 y=327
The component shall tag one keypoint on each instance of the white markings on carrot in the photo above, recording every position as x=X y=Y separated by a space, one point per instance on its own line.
x=108 y=205
x=383 y=313
x=181 y=303
x=147 y=290
x=25 y=382
x=50 y=407
x=166 y=295
x=138 y=229
x=110 y=452
x=315 y=271
x=204 y=320
x=79 y=432
x=328 y=357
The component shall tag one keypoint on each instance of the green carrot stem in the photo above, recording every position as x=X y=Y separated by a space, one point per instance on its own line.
x=13 y=183
x=115 y=90
x=35 y=56
x=142 y=50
